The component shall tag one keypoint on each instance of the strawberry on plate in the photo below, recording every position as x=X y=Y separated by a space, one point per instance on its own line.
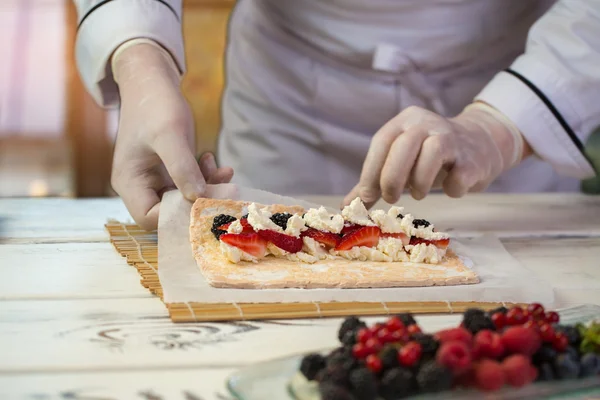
x=402 y=236
x=330 y=240
x=246 y=227
x=440 y=243
x=285 y=242
x=367 y=236
x=250 y=243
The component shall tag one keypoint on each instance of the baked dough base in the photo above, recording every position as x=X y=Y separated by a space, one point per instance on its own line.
x=279 y=273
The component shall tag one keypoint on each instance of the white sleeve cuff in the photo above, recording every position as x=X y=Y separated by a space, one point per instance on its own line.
x=113 y=23
x=545 y=129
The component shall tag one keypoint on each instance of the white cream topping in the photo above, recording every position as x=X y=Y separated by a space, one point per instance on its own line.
x=357 y=213
x=421 y=232
x=260 y=219
x=320 y=219
x=295 y=226
x=235 y=254
x=235 y=227
x=363 y=253
x=314 y=248
x=388 y=222
x=425 y=253
x=392 y=247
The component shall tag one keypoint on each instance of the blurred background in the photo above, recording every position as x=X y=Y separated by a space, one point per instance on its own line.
x=54 y=140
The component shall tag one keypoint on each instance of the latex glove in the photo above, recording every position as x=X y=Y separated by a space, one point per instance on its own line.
x=421 y=150
x=154 y=150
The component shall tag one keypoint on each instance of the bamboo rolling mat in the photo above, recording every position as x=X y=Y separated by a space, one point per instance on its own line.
x=140 y=249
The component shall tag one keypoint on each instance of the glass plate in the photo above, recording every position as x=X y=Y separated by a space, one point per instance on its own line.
x=271 y=379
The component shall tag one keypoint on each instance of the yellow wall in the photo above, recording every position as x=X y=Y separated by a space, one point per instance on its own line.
x=204 y=30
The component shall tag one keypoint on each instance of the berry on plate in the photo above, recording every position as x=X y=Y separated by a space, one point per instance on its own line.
x=489 y=375
x=518 y=339
x=518 y=370
x=455 y=356
x=454 y=334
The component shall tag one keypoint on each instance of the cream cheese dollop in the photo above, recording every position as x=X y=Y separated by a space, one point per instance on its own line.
x=320 y=219
x=357 y=213
x=260 y=219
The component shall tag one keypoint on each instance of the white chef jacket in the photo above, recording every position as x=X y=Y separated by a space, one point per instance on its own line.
x=290 y=64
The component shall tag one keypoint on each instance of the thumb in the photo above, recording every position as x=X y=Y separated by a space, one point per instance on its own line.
x=176 y=155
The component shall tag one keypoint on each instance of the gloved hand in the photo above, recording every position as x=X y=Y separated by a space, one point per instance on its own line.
x=154 y=150
x=422 y=150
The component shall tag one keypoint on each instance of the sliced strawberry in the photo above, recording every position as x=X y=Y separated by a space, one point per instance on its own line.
x=246 y=227
x=350 y=227
x=285 y=242
x=250 y=243
x=329 y=239
x=441 y=243
x=402 y=236
x=367 y=236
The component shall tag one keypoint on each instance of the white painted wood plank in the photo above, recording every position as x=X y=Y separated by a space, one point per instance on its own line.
x=99 y=335
x=66 y=270
x=178 y=384
x=58 y=219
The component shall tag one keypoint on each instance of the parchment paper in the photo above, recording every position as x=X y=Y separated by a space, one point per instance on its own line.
x=503 y=278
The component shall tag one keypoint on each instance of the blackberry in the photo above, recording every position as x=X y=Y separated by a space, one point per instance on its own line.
x=349 y=338
x=502 y=310
x=363 y=383
x=397 y=383
x=421 y=222
x=471 y=312
x=400 y=216
x=545 y=355
x=219 y=220
x=311 y=365
x=335 y=374
x=330 y=391
x=407 y=319
x=433 y=377
x=566 y=367
x=478 y=323
x=389 y=357
x=571 y=332
x=545 y=372
x=339 y=356
x=429 y=345
x=590 y=365
x=281 y=219
x=350 y=324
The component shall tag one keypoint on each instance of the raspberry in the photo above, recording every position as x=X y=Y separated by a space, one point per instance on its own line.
x=489 y=375
x=547 y=333
x=413 y=329
x=518 y=370
x=350 y=324
x=394 y=324
x=487 y=344
x=433 y=377
x=455 y=356
x=536 y=309
x=454 y=334
x=560 y=342
x=499 y=320
x=515 y=316
x=397 y=383
x=311 y=364
x=409 y=354
x=518 y=339
x=552 y=317
x=363 y=383
x=374 y=363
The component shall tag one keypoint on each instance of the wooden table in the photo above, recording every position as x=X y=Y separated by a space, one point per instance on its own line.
x=66 y=334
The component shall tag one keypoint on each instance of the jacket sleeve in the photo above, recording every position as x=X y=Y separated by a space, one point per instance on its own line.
x=552 y=91
x=103 y=25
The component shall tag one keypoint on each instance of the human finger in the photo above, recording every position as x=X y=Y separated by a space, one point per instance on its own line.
x=436 y=151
